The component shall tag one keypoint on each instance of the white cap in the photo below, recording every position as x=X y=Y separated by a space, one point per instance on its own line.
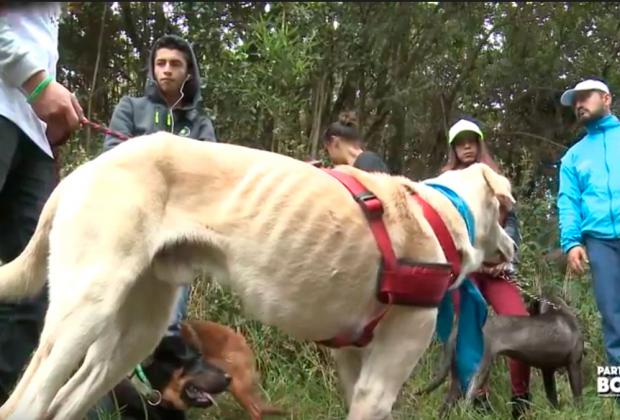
x=590 y=84
x=461 y=126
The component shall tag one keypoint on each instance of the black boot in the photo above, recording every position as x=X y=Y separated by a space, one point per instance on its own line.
x=520 y=405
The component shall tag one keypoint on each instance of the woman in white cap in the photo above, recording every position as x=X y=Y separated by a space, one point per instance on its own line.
x=467 y=146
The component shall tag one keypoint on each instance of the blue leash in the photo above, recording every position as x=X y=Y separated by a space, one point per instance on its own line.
x=473 y=307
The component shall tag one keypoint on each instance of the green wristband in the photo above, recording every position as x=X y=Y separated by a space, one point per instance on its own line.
x=37 y=91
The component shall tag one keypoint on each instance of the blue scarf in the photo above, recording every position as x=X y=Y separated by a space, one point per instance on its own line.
x=473 y=308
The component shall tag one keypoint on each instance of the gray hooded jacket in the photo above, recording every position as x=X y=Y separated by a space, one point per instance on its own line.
x=135 y=116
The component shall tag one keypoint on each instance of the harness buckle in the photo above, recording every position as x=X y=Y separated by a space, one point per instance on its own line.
x=370 y=204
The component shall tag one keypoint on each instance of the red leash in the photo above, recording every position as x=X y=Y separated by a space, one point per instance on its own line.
x=105 y=130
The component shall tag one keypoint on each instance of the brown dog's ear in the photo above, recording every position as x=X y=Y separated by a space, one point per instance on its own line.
x=500 y=185
x=190 y=336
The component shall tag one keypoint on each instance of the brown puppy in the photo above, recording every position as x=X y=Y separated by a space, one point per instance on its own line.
x=228 y=350
x=175 y=378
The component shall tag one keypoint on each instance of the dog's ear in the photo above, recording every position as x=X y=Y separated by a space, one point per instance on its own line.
x=500 y=185
x=190 y=336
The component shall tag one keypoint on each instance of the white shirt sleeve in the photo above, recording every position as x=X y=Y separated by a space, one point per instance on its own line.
x=17 y=64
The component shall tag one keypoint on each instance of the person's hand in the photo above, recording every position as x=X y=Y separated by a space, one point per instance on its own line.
x=58 y=107
x=496 y=270
x=577 y=259
x=61 y=110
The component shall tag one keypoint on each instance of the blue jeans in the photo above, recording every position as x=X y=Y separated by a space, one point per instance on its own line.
x=180 y=312
x=604 y=255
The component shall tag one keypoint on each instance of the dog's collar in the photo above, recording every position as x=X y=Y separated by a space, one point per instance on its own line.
x=461 y=207
x=144 y=387
x=139 y=371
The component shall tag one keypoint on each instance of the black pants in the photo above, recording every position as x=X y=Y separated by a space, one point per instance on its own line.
x=27 y=178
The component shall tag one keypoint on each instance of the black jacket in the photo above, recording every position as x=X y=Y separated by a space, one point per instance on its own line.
x=370 y=162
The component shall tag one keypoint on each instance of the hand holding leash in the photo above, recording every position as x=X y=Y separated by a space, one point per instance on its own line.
x=55 y=105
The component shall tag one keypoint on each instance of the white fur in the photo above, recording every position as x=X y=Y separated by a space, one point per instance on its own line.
x=124 y=231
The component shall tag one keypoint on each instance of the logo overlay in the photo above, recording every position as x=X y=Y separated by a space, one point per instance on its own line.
x=608 y=381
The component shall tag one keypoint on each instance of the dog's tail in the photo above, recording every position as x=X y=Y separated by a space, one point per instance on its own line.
x=26 y=275
x=444 y=368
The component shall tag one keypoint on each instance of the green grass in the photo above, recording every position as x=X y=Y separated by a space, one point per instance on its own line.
x=301 y=378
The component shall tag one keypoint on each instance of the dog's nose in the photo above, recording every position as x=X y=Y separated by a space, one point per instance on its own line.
x=227 y=378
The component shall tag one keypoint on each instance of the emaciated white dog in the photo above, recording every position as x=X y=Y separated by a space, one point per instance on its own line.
x=121 y=233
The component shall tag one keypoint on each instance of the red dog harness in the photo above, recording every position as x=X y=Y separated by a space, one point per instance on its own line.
x=400 y=282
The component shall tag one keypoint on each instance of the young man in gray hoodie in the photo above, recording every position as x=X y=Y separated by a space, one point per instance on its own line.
x=170 y=103
x=171 y=97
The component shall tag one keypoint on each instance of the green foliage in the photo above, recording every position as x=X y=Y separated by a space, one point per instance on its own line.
x=275 y=74
x=407 y=68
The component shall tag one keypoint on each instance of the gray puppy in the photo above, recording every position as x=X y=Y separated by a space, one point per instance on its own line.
x=549 y=339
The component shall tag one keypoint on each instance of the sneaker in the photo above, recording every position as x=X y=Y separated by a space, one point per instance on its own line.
x=520 y=405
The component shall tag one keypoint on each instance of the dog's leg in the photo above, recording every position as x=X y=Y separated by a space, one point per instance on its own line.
x=37 y=389
x=100 y=372
x=245 y=388
x=453 y=395
x=575 y=379
x=91 y=368
x=52 y=337
x=69 y=331
x=246 y=397
x=98 y=375
x=400 y=340
x=348 y=364
x=481 y=377
x=40 y=354
x=49 y=335
x=550 y=388
x=127 y=339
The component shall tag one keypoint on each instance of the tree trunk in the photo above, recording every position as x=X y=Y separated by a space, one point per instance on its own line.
x=318 y=107
x=395 y=150
x=91 y=93
x=268 y=136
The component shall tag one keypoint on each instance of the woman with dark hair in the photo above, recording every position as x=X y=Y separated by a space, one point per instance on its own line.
x=344 y=145
x=467 y=146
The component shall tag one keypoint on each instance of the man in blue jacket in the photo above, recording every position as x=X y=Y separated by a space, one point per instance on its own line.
x=589 y=203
